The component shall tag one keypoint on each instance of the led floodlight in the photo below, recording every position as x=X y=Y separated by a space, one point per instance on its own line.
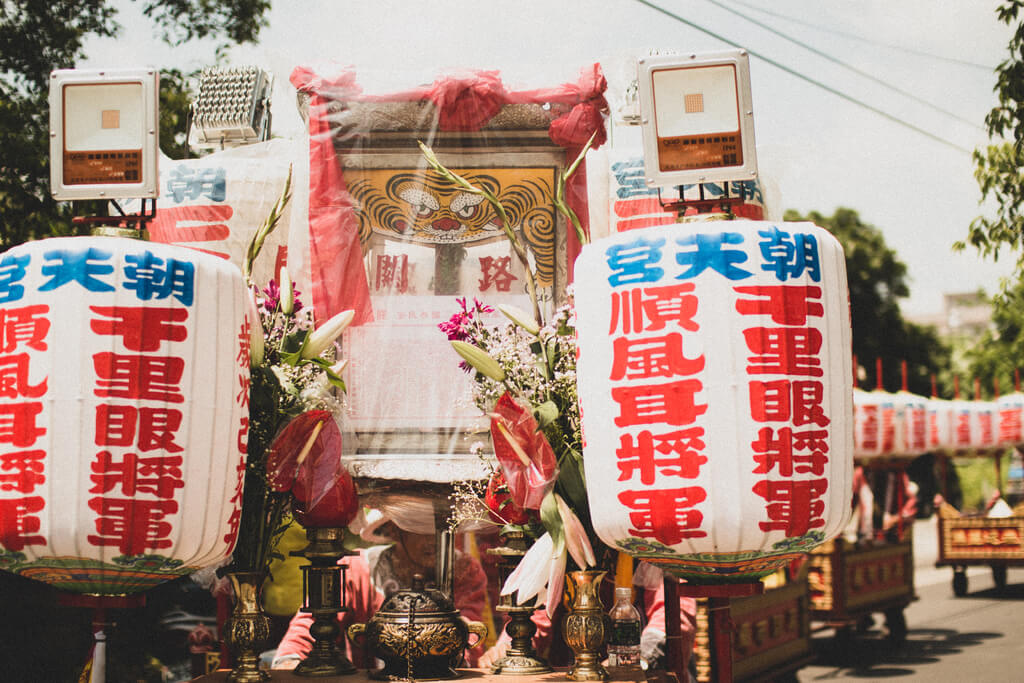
x=104 y=135
x=697 y=118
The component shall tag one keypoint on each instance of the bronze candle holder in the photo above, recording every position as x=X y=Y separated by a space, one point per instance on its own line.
x=323 y=588
x=520 y=659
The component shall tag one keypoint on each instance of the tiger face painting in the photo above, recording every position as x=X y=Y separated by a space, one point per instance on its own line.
x=422 y=207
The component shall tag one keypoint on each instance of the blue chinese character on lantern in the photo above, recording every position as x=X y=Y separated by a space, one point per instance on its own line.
x=152 y=278
x=712 y=252
x=789 y=256
x=189 y=183
x=82 y=266
x=12 y=271
x=635 y=261
x=630 y=177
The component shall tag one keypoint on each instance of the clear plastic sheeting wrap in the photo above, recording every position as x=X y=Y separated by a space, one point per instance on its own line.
x=391 y=239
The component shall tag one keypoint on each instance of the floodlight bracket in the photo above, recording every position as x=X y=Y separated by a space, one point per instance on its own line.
x=133 y=220
x=702 y=204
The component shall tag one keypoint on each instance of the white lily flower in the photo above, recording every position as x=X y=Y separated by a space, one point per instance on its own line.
x=520 y=318
x=323 y=336
x=540 y=573
x=287 y=294
x=576 y=540
x=339 y=367
x=556 y=580
x=256 y=341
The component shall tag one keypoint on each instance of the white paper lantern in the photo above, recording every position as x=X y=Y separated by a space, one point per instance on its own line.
x=874 y=416
x=975 y=425
x=123 y=414
x=911 y=424
x=1011 y=419
x=940 y=424
x=716 y=394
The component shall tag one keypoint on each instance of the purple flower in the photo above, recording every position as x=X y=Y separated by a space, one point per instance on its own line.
x=272 y=297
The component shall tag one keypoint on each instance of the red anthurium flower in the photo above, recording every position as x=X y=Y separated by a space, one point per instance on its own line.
x=305 y=458
x=523 y=452
x=498 y=499
x=283 y=456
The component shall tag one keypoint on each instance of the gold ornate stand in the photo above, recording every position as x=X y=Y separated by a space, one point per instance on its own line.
x=323 y=585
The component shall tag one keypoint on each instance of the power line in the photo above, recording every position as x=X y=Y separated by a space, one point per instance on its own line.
x=823 y=86
x=824 y=55
x=869 y=41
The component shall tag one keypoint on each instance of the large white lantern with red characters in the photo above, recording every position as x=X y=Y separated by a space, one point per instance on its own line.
x=715 y=387
x=123 y=411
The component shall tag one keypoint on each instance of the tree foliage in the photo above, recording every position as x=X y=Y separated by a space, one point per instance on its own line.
x=37 y=37
x=877 y=281
x=999 y=168
x=999 y=354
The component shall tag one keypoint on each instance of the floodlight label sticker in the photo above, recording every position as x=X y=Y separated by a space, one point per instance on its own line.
x=103 y=141
x=697 y=117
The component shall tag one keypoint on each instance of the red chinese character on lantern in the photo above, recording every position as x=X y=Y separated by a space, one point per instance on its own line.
x=392 y=272
x=18 y=423
x=1010 y=425
x=24 y=326
x=647 y=309
x=22 y=471
x=147 y=429
x=675 y=454
x=132 y=525
x=673 y=403
x=918 y=432
x=19 y=524
x=787 y=451
x=138 y=377
x=235 y=519
x=14 y=380
x=784 y=351
x=496 y=271
x=869 y=433
x=141 y=328
x=985 y=430
x=794 y=507
x=783 y=400
x=786 y=304
x=159 y=476
x=665 y=515
x=888 y=415
x=652 y=357
x=962 y=429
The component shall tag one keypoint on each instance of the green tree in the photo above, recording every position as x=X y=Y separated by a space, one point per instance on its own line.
x=37 y=37
x=877 y=282
x=998 y=355
x=999 y=168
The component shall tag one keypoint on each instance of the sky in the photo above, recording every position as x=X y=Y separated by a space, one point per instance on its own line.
x=873 y=105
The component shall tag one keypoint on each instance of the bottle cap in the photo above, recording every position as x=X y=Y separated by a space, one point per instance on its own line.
x=623 y=592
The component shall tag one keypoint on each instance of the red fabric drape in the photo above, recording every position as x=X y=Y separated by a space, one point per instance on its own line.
x=465 y=102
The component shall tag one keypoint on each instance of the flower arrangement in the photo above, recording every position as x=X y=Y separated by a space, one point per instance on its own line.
x=294 y=371
x=525 y=380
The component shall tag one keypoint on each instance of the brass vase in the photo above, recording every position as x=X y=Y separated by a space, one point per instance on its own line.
x=247 y=630
x=583 y=627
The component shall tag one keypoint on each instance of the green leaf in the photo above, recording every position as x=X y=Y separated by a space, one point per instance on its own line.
x=552 y=519
x=545 y=413
x=571 y=479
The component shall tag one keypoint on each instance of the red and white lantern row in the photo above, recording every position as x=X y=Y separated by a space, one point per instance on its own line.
x=123 y=411
x=716 y=393
x=889 y=425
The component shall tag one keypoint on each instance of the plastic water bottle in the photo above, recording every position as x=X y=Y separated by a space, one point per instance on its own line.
x=624 y=639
